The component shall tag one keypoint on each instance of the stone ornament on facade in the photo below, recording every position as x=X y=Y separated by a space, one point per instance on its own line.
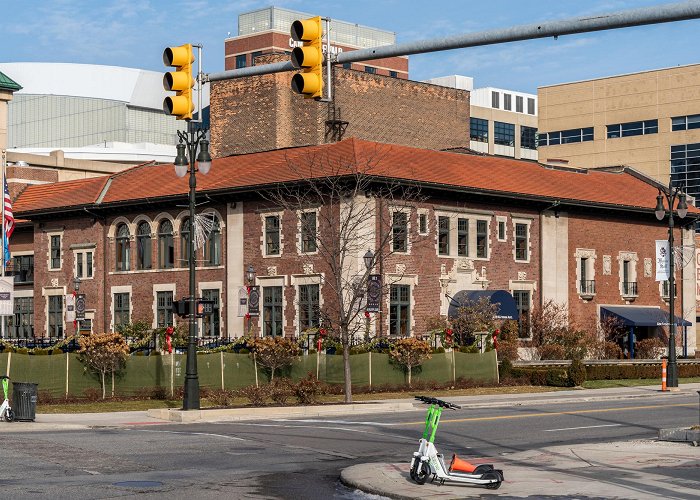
x=54 y=282
x=400 y=268
x=272 y=270
x=308 y=268
x=647 y=267
x=522 y=276
x=465 y=265
x=607 y=265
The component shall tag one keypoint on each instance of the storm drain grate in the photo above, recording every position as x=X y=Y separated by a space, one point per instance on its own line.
x=139 y=484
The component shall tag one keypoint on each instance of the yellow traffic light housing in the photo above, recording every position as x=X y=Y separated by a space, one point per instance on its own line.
x=181 y=105
x=309 y=58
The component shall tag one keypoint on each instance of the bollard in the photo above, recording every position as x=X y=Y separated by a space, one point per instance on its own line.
x=663 y=374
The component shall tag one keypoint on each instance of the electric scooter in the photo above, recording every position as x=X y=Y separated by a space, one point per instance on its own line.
x=5 y=410
x=428 y=462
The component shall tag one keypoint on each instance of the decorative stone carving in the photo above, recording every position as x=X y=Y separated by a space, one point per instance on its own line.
x=443 y=269
x=483 y=272
x=54 y=282
x=607 y=265
x=647 y=267
x=522 y=276
x=465 y=265
x=308 y=268
x=272 y=270
x=400 y=268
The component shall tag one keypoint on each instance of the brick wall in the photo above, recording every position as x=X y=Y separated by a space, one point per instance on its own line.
x=261 y=113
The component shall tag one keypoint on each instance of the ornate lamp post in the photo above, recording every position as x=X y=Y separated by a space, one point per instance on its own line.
x=250 y=276
x=192 y=144
x=681 y=208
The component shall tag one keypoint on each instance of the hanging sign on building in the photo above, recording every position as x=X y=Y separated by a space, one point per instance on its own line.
x=663 y=261
x=80 y=307
x=242 y=301
x=254 y=301
x=7 y=292
x=374 y=292
x=70 y=308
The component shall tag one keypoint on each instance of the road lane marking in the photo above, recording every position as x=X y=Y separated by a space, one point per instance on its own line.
x=317 y=420
x=553 y=414
x=208 y=434
x=585 y=427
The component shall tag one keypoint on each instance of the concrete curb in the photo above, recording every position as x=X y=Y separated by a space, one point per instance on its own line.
x=679 y=434
x=252 y=413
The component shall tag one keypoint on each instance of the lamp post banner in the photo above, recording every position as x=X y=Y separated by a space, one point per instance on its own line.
x=662 y=260
x=254 y=301
x=374 y=293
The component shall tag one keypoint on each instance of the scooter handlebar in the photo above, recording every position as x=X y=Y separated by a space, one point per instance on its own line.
x=439 y=402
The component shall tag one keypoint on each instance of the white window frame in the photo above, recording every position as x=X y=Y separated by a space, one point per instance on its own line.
x=423 y=212
x=502 y=219
x=299 y=213
x=47 y=292
x=84 y=251
x=120 y=289
x=49 y=235
x=632 y=258
x=263 y=246
x=304 y=279
x=404 y=279
x=528 y=238
x=211 y=285
x=405 y=210
x=590 y=254
x=162 y=287
x=472 y=217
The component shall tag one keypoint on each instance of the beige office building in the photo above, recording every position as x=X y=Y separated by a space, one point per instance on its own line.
x=649 y=121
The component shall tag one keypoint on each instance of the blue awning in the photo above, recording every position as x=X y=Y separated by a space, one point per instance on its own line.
x=641 y=316
x=506 y=303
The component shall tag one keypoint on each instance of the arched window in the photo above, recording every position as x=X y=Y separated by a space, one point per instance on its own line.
x=212 y=247
x=143 y=246
x=122 y=248
x=166 y=246
x=185 y=242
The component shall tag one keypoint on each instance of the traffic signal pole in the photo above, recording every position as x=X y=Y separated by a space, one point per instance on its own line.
x=623 y=19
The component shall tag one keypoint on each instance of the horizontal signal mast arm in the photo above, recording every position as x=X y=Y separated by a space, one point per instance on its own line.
x=623 y=19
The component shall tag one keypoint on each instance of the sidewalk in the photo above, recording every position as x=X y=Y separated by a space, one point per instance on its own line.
x=637 y=469
x=164 y=415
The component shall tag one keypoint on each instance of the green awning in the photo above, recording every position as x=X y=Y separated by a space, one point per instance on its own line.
x=7 y=83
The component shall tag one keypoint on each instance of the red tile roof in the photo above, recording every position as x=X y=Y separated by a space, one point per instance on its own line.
x=491 y=174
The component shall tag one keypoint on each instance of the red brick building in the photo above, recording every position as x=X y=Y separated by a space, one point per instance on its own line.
x=583 y=238
x=266 y=31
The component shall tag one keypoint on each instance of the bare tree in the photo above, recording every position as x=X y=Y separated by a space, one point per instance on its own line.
x=354 y=197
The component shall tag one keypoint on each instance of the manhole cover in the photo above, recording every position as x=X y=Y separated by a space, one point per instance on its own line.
x=139 y=484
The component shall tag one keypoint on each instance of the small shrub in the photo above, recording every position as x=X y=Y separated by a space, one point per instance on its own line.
x=56 y=351
x=221 y=397
x=471 y=349
x=505 y=369
x=256 y=395
x=22 y=350
x=439 y=350
x=307 y=390
x=649 y=348
x=557 y=378
x=577 y=373
x=92 y=394
x=551 y=351
x=159 y=393
x=280 y=391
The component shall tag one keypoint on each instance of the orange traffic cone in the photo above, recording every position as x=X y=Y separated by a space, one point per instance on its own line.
x=457 y=464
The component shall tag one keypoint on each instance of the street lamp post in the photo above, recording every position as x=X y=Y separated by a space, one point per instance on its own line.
x=193 y=144
x=76 y=287
x=673 y=195
x=250 y=276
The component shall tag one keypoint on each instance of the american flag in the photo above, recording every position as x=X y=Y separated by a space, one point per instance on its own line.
x=9 y=217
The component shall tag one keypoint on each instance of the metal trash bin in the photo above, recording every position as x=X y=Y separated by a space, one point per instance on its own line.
x=24 y=396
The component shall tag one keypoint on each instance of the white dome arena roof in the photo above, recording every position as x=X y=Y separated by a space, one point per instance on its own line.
x=136 y=87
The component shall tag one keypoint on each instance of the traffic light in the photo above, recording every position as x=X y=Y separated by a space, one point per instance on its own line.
x=181 y=307
x=309 y=58
x=181 y=104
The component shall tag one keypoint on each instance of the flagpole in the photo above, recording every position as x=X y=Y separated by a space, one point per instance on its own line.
x=4 y=235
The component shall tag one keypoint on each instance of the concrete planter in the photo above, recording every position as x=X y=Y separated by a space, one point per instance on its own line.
x=679 y=434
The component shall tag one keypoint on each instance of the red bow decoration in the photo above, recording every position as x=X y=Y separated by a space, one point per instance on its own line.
x=448 y=332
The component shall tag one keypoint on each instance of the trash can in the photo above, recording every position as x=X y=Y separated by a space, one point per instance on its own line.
x=24 y=396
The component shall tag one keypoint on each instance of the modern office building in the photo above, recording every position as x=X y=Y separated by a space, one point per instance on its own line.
x=266 y=30
x=648 y=120
x=501 y=122
x=117 y=112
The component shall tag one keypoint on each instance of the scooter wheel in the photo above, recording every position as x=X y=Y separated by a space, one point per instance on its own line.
x=412 y=472
x=492 y=475
x=423 y=475
x=9 y=415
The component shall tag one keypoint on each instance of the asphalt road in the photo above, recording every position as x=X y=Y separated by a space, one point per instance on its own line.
x=293 y=459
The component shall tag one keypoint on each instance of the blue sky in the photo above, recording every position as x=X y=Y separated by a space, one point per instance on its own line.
x=133 y=33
